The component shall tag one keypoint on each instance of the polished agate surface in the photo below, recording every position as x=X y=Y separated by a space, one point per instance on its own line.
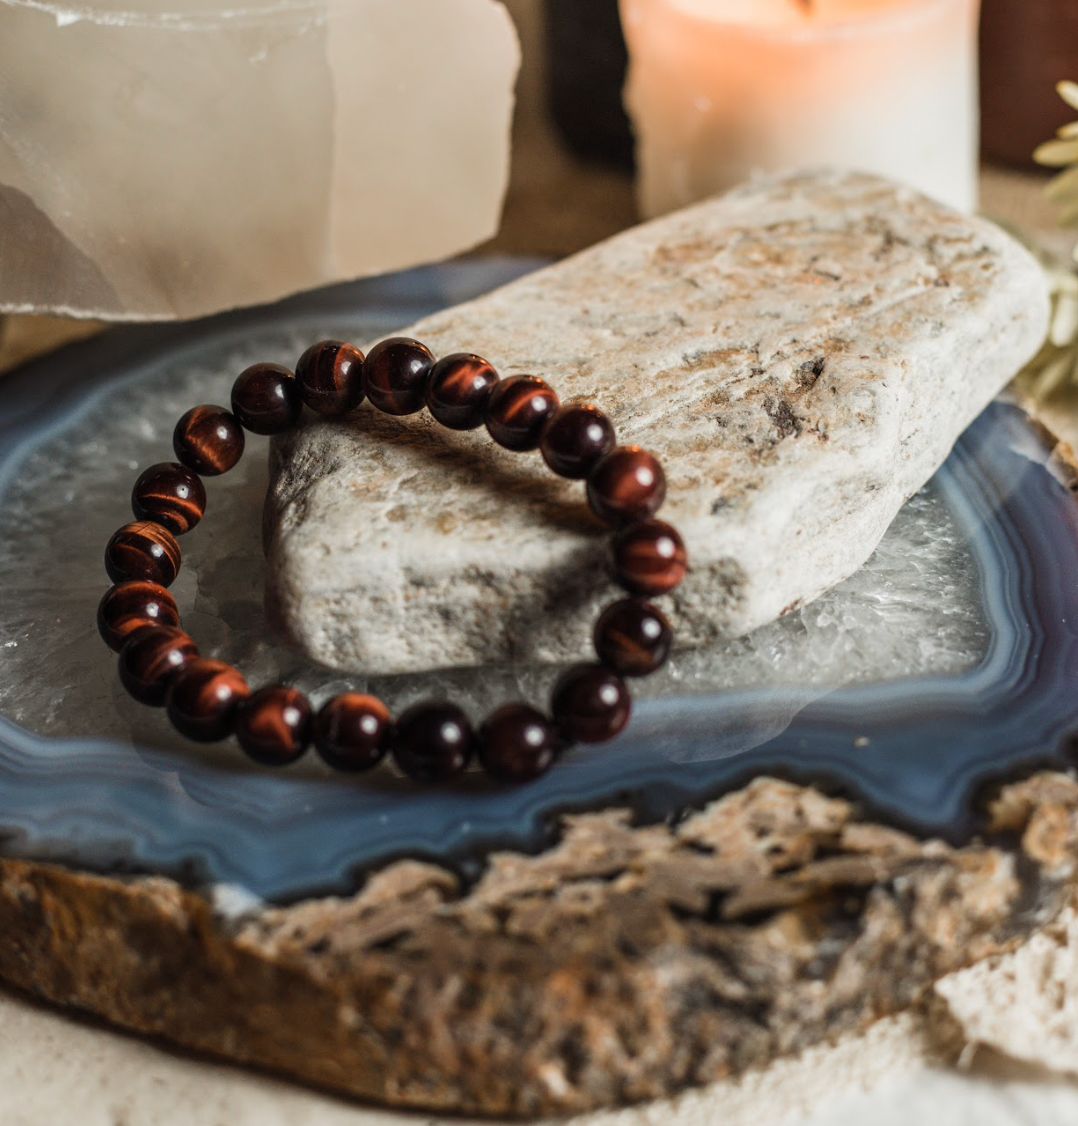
x=946 y=661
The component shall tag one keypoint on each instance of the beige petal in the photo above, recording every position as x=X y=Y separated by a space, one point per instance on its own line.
x=1057 y=152
x=1064 y=329
x=1068 y=91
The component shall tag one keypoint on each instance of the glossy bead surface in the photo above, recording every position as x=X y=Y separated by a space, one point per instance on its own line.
x=632 y=637
x=143 y=550
x=170 y=494
x=134 y=605
x=433 y=741
x=274 y=725
x=590 y=704
x=395 y=374
x=351 y=731
x=209 y=440
x=649 y=557
x=627 y=485
x=330 y=377
x=266 y=399
x=575 y=439
x=458 y=388
x=202 y=700
x=517 y=743
x=517 y=411
x=151 y=658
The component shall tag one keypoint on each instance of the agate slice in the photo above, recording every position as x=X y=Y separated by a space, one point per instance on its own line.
x=947 y=661
x=487 y=952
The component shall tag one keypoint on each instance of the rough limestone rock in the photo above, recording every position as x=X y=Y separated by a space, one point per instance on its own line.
x=801 y=353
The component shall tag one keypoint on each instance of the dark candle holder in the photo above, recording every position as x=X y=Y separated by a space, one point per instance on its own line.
x=1025 y=50
x=586 y=64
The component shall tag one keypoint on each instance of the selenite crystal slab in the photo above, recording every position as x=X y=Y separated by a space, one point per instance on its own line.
x=166 y=161
x=801 y=354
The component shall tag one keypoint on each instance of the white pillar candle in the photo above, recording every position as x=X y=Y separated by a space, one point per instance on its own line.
x=719 y=89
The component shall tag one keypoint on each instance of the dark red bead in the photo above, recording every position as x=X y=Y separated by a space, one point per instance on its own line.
x=433 y=741
x=330 y=377
x=202 y=700
x=649 y=557
x=209 y=440
x=143 y=550
x=169 y=494
x=395 y=374
x=458 y=388
x=575 y=439
x=131 y=606
x=632 y=637
x=351 y=731
x=517 y=743
x=627 y=485
x=274 y=725
x=151 y=658
x=590 y=704
x=517 y=411
x=266 y=399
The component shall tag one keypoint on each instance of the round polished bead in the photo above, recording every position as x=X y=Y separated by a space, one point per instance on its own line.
x=209 y=440
x=590 y=704
x=632 y=637
x=627 y=485
x=517 y=743
x=517 y=411
x=143 y=550
x=274 y=724
x=134 y=605
x=649 y=557
x=351 y=731
x=458 y=388
x=575 y=439
x=170 y=494
x=202 y=700
x=433 y=741
x=266 y=399
x=330 y=377
x=395 y=374
x=151 y=658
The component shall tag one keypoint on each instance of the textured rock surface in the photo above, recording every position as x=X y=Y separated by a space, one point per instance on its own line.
x=801 y=353
x=623 y=964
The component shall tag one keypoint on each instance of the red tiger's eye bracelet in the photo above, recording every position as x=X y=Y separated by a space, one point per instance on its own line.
x=208 y=700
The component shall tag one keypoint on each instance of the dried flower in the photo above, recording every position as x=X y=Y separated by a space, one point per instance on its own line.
x=1062 y=152
x=1056 y=365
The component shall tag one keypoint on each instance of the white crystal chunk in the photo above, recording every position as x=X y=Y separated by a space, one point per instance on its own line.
x=157 y=162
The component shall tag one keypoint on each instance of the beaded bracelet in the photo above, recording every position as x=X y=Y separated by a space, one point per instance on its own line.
x=208 y=700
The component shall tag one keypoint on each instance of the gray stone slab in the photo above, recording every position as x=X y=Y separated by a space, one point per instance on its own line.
x=801 y=354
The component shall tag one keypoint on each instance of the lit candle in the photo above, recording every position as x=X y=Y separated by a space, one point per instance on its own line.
x=719 y=89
